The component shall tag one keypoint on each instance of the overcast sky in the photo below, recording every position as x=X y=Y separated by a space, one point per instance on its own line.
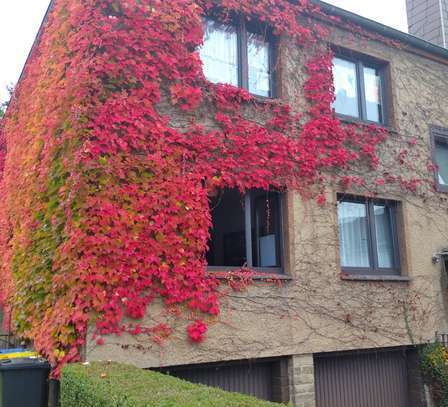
x=20 y=20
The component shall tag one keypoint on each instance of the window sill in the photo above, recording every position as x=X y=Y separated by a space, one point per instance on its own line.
x=224 y=273
x=370 y=277
x=441 y=188
x=274 y=99
x=354 y=120
x=265 y=99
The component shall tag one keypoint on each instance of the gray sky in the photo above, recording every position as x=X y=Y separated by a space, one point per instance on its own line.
x=20 y=20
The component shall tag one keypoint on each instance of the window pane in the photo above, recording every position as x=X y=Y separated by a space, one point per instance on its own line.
x=353 y=234
x=372 y=85
x=219 y=53
x=442 y=162
x=346 y=87
x=227 y=245
x=258 y=60
x=266 y=230
x=384 y=236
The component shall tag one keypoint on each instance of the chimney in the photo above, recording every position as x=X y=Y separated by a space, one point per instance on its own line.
x=428 y=19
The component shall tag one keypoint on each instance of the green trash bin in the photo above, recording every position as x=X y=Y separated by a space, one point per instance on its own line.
x=24 y=382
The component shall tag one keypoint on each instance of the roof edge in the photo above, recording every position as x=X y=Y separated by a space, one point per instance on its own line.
x=33 y=47
x=326 y=7
x=383 y=29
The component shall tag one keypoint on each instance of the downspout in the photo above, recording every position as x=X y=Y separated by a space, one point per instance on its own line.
x=442 y=21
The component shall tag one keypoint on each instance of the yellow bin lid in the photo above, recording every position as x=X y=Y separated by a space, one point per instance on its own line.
x=18 y=355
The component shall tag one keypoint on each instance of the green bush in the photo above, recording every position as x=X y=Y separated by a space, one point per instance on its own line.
x=117 y=385
x=434 y=366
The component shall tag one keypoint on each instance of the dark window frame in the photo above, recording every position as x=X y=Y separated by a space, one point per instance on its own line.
x=438 y=135
x=374 y=269
x=363 y=61
x=248 y=229
x=243 y=28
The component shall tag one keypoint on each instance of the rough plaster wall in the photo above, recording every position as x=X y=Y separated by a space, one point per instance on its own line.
x=317 y=311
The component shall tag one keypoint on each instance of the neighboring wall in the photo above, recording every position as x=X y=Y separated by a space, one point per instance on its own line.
x=316 y=310
x=428 y=19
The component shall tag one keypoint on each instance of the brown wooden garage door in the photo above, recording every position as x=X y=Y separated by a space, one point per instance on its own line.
x=362 y=380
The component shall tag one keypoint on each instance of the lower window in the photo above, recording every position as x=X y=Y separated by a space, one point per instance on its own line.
x=368 y=236
x=246 y=230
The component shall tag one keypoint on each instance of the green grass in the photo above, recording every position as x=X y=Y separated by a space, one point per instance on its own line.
x=116 y=385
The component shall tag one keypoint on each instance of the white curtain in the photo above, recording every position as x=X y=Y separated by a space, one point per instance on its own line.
x=258 y=60
x=219 y=54
x=353 y=234
x=384 y=243
x=372 y=85
x=346 y=87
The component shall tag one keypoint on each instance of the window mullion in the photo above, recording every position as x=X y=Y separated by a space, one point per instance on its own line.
x=248 y=228
x=372 y=235
x=243 y=65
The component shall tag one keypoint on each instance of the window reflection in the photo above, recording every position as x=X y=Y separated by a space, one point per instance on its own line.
x=372 y=85
x=227 y=246
x=346 y=85
x=258 y=61
x=358 y=90
x=441 y=153
x=219 y=53
x=266 y=222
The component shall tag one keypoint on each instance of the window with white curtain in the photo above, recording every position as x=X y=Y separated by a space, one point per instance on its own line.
x=368 y=236
x=239 y=56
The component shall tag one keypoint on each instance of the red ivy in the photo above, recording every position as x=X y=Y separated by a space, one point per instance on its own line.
x=197 y=331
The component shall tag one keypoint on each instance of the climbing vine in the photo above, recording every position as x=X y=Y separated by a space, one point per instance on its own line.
x=434 y=365
x=109 y=163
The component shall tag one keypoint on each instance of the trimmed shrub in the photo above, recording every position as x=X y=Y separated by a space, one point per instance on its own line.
x=434 y=366
x=107 y=384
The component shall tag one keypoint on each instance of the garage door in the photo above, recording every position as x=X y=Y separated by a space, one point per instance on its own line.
x=362 y=380
x=263 y=380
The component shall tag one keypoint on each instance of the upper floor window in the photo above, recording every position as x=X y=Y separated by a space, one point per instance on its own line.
x=235 y=55
x=368 y=236
x=440 y=157
x=359 y=89
x=246 y=230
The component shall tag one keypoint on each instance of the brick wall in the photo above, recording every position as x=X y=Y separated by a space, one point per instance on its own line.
x=428 y=19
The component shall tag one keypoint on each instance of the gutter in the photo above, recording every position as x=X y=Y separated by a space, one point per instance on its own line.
x=383 y=29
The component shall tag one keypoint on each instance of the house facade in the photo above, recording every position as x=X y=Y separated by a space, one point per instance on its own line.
x=345 y=288
x=357 y=285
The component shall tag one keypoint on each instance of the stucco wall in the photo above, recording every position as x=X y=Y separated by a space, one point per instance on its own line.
x=316 y=310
